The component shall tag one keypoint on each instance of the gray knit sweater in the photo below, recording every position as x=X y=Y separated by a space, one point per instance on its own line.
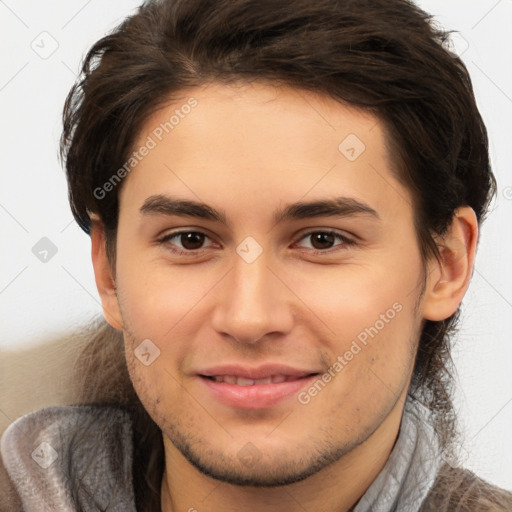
x=45 y=451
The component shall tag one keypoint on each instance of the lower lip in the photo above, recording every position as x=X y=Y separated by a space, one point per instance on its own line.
x=257 y=396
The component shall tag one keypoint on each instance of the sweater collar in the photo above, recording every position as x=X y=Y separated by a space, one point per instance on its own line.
x=53 y=460
x=46 y=452
x=412 y=467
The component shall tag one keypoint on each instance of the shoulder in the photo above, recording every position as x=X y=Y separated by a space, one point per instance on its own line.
x=44 y=451
x=458 y=489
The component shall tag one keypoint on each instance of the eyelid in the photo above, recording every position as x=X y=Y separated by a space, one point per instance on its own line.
x=346 y=240
x=172 y=234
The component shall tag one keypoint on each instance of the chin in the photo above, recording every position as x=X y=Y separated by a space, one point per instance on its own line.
x=250 y=468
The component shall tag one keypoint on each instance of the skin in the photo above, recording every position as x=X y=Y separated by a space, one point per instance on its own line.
x=249 y=150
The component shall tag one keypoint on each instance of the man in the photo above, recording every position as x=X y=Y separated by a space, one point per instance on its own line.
x=284 y=201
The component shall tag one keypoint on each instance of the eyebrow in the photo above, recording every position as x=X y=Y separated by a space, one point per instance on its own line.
x=337 y=207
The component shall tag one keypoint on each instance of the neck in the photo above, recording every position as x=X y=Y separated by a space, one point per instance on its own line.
x=337 y=487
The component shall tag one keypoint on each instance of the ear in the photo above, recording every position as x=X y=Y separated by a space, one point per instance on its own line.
x=105 y=280
x=449 y=276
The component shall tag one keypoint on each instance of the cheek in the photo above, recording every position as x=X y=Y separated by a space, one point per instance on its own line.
x=350 y=299
x=156 y=299
x=368 y=373
x=154 y=380
x=160 y=309
x=164 y=395
x=371 y=340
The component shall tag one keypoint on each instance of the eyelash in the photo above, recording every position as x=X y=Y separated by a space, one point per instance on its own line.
x=195 y=252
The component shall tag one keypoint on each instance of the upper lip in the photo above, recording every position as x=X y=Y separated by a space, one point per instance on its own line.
x=259 y=372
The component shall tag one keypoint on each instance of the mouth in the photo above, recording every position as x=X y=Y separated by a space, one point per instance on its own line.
x=262 y=388
x=244 y=381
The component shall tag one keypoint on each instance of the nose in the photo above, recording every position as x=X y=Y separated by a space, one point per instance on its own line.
x=252 y=302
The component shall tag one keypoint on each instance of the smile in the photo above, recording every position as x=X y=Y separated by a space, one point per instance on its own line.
x=255 y=390
x=243 y=381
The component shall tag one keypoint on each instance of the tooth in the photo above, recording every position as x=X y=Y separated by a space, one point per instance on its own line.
x=218 y=378
x=268 y=380
x=230 y=379
x=278 y=378
x=242 y=381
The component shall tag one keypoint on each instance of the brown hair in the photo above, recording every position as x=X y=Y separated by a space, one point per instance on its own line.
x=384 y=56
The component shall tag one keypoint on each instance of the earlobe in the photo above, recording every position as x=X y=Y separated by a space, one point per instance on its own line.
x=105 y=281
x=449 y=275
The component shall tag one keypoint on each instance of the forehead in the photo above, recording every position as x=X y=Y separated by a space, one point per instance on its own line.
x=244 y=143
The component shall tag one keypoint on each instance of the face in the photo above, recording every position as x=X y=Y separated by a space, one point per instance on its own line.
x=267 y=280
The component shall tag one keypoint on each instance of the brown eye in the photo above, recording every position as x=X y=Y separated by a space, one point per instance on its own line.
x=324 y=240
x=192 y=240
x=184 y=242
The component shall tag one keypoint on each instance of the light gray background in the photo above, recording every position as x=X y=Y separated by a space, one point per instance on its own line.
x=38 y=299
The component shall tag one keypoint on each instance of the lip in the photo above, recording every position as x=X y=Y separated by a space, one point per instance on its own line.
x=259 y=372
x=257 y=396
